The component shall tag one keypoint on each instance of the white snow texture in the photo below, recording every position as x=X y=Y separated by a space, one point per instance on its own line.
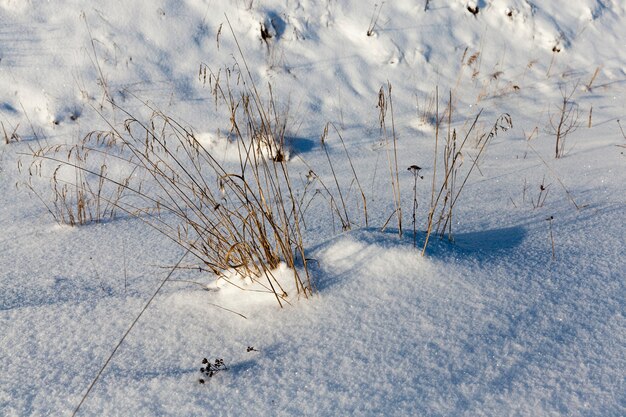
x=522 y=314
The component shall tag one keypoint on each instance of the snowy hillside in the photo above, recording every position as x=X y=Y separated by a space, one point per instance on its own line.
x=519 y=309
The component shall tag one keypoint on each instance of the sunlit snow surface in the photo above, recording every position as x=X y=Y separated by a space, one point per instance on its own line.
x=492 y=324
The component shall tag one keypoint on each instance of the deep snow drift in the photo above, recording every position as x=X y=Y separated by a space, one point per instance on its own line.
x=520 y=315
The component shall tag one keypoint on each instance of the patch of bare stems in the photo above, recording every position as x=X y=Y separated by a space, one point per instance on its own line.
x=82 y=189
x=237 y=222
x=245 y=219
x=564 y=121
x=450 y=179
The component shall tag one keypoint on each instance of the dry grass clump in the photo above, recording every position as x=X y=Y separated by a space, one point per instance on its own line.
x=82 y=189
x=446 y=189
x=240 y=221
x=244 y=219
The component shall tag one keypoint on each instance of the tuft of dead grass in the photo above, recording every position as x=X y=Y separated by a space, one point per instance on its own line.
x=447 y=188
x=81 y=188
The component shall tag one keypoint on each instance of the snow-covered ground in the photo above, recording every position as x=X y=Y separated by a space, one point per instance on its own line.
x=520 y=315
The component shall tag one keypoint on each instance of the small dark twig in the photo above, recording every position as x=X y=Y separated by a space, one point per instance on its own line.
x=415 y=170
x=620 y=128
x=565 y=121
x=473 y=9
x=374 y=19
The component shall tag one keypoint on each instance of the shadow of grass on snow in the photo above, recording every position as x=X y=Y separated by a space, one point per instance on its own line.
x=360 y=245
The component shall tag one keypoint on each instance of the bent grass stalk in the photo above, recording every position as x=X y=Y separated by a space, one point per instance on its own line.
x=385 y=102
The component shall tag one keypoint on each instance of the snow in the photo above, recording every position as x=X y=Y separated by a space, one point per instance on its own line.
x=494 y=323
